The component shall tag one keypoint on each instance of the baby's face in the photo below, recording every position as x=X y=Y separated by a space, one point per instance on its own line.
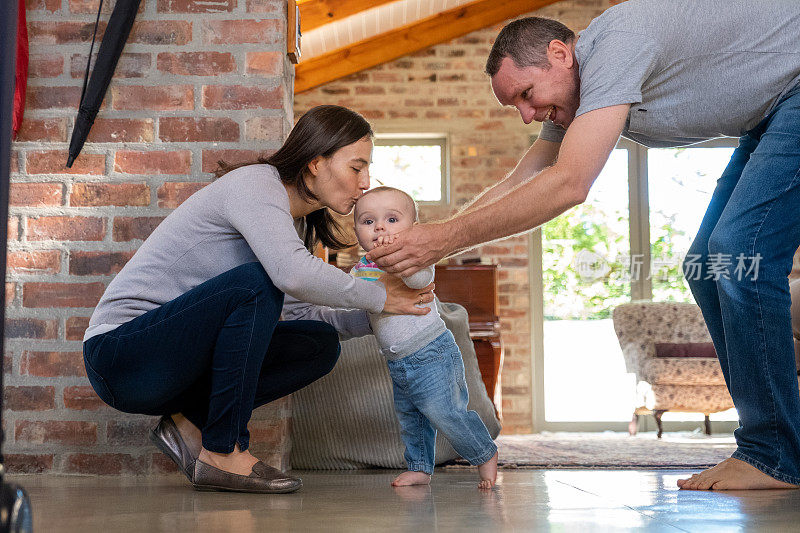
x=381 y=213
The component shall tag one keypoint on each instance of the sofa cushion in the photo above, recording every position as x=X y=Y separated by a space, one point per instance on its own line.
x=686 y=349
x=346 y=419
x=682 y=371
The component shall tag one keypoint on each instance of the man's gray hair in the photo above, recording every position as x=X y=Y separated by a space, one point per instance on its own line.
x=525 y=41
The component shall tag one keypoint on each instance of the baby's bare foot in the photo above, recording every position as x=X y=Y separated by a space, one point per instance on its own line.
x=411 y=478
x=732 y=474
x=488 y=473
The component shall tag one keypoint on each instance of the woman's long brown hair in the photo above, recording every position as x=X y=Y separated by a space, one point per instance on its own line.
x=321 y=131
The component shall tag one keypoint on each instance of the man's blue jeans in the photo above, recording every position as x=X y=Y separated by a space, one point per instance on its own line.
x=744 y=248
x=430 y=393
x=213 y=354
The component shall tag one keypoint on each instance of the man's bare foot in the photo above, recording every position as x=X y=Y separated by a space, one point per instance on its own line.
x=236 y=462
x=488 y=473
x=411 y=478
x=732 y=474
x=189 y=433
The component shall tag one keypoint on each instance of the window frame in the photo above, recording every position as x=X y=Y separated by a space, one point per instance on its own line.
x=641 y=289
x=423 y=139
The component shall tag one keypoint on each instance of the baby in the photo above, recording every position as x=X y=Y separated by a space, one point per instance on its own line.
x=425 y=364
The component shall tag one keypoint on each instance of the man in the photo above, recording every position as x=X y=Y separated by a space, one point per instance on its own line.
x=668 y=74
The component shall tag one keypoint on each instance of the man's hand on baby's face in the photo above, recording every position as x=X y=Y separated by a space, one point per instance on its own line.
x=385 y=240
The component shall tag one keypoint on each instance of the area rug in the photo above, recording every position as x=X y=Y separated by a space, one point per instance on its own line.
x=611 y=450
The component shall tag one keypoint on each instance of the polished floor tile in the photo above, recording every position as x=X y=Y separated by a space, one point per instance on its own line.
x=525 y=500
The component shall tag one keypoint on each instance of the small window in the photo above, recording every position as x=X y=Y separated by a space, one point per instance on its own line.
x=416 y=164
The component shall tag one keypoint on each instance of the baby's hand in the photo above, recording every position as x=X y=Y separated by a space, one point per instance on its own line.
x=385 y=240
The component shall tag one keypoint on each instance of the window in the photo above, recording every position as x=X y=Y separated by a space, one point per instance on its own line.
x=416 y=164
x=627 y=242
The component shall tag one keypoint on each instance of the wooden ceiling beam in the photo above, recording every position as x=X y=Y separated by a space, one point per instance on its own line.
x=316 y=13
x=408 y=39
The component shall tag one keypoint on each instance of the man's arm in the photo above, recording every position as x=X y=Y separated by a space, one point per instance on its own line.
x=540 y=155
x=584 y=151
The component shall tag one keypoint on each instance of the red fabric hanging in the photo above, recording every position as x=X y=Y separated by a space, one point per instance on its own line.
x=21 y=79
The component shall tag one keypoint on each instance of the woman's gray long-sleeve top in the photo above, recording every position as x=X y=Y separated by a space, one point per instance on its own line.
x=240 y=218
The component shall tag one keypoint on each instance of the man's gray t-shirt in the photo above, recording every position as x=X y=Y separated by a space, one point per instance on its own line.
x=691 y=69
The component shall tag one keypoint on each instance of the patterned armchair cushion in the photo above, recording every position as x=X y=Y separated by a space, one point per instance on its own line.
x=692 y=398
x=682 y=371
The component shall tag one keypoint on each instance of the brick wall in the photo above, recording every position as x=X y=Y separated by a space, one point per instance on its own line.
x=198 y=81
x=443 y=89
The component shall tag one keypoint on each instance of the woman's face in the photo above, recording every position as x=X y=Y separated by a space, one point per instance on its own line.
x=339 y=180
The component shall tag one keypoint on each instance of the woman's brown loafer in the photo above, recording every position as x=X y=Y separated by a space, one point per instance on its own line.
x=263 y=479
x=168 y=439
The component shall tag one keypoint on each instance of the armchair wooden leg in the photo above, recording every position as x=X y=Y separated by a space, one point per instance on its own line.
x=657 y=414
x=633 y=425
x=708 y=425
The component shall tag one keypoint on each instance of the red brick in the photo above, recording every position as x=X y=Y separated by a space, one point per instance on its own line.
x=23 y=463
x=196 y=63
x=66 y=228
x=242 y=97
x=10 y=291
x=45 y=32
x=120 y=130
x=51 y=129
x=120 y=194
x=82 y=397
x=129 y=66
x=14 y=161
x=161 y=32
x=51 y=98
x=89 y=7
x=29 y=398
x=55 y=162
x=34 y=262
x=55 y=431
x=172 y=194
x=52 y=364
x=185 y=129
x=45 y=65
x=61 y=294
x=211 y=158
x=195 y=6
x=179 y=162
x=43 y=5
x=265 y=6
x=76 y=326
x=264 y=129
x=269 y=31
x=31 y=328
x=35 y=194
x=162 y=98
x=106 y=464
x=128 y=432
x=162 y=464
x=134 y=228
x=97 y=263
x=265 y=63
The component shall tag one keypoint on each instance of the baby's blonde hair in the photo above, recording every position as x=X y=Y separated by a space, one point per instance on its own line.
x=384 y=188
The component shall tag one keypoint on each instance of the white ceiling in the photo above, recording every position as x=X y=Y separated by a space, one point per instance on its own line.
x=369 y=23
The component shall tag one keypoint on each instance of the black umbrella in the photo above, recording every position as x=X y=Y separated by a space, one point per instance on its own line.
x=117 y=31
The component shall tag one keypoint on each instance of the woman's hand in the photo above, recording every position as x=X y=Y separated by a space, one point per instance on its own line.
x=403 y=300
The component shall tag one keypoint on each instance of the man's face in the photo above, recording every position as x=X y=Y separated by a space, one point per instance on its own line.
x=541 y=94
x=379 y=214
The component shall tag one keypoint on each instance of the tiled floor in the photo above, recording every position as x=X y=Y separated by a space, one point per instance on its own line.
x=525 y=500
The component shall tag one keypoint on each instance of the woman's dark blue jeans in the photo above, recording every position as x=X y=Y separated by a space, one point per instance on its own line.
x=213 y=354
x=737 y=269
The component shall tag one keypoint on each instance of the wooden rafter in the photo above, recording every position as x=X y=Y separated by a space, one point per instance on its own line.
x=408 y=39
x=316 y=13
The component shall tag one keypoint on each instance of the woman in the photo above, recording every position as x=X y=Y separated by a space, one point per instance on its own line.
x=189 y=329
